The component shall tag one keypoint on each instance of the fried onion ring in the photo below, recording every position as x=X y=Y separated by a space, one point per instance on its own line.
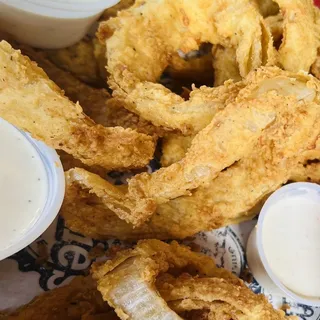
x=135 y=66
x=130 y=283
x=127 y=282
x=225 y=300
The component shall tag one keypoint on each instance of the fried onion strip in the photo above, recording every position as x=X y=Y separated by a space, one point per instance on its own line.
x=96 y=103
x=112 y=197
x=34 y=103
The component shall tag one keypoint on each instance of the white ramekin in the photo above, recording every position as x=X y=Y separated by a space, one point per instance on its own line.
x=256 y=257
x=55 y=195
x=50 y=23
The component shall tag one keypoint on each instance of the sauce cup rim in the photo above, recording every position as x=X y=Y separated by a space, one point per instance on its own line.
x=55 y=195
x=271 y=200
x=60 y=9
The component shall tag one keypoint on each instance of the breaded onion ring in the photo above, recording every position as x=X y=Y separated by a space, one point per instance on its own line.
x=127 y=282
x=140 y=44
x=225 y=300
x=130 y=283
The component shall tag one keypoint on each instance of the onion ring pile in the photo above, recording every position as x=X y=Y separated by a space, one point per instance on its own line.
x=228 y=198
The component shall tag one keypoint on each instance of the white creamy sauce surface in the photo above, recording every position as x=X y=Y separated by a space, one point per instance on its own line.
x=291 y=242
x=23 y=185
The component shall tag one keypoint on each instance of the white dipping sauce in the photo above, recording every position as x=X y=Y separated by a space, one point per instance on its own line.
x=291 y=241
x=23 y=185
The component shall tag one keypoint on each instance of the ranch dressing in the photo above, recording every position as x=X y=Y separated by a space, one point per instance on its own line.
x=291 y=241
x=23 y=185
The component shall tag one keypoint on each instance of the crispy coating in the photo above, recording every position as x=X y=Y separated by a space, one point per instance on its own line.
x=174 y=148
x=119 y=116
x=128 y=281
x=232 y=196
x=86 y=59
x=308 y=172
x=300 y=35
x=69 y=162
x=296 y=19
x=113 y=197
x=78 y=300
x=271 y=163
x=133 y=81
x=34 y=103
x=202 y=105
x=92 y=100
x=96 y=103
x=225 y=65
x=213 y=149
x=80 y=60
x=165 y=255
x=217 y=146
x=225 y=300
x=87 y=214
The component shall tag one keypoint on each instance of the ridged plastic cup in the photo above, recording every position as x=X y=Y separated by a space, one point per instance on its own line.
x=55 y=195
x=50 y=24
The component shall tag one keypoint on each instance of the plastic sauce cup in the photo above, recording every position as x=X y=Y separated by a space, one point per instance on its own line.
x=256 y=255
x=55 y=194
x=50 y=24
